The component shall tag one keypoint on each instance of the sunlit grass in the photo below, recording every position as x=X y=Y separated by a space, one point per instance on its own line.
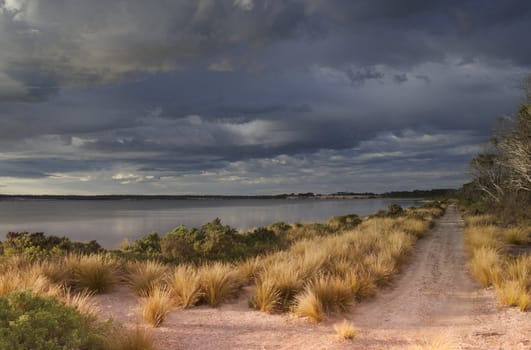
x=94 y=273
x=513 y=293
x=156 y=306
x=308 y=304
x=345 y=330
x=485 y=266
x=144 y=276
x=185 y=286
x=266 y=297
x=516 y=235
x=219 y=281
x=137 y=338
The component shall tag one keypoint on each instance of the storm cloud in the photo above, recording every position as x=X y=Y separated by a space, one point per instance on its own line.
x=248 y=96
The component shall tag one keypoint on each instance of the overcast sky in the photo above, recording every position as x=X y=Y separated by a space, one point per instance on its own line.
x=252 y=96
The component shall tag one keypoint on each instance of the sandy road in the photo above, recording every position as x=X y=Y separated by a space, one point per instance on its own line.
x=436 y=299
x=433 y=298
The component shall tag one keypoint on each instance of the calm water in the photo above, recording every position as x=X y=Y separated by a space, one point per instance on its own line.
x=110 y=221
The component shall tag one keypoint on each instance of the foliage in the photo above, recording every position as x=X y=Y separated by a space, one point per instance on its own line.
x=32 y=322
x=39 y=245
x=502 y=174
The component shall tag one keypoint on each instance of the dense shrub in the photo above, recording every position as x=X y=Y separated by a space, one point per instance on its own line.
x=146 y=247
x=39 y=245
x=28 y=321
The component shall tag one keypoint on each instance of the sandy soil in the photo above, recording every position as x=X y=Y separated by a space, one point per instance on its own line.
x=433 y=299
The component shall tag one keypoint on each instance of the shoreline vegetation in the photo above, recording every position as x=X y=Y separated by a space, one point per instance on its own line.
x=435 y=193
x=496 y=207
x=308 y=270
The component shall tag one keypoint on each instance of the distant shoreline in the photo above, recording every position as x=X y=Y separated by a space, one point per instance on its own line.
x=309 y=195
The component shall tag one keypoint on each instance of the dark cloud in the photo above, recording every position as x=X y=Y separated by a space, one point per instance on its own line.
x=400 y=78
x=359 y=77
x=253 y=96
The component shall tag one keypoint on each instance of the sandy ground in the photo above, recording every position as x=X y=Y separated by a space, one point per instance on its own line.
x=433 y=299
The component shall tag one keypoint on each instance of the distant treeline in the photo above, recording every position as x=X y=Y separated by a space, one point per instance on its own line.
x=435 y=193
x=395 y=194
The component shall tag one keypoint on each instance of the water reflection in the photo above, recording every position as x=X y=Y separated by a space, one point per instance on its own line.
x=109 y=222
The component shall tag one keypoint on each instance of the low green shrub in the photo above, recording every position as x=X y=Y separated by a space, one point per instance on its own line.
x=32 y=322
x=38 y=245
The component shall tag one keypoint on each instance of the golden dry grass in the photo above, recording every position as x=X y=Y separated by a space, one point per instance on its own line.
x=345 y=330
x=334 y=293
x=516 y=235
x=519 y=269
x=439 y=343
x=137 y=338
x=335 y=269
x=267 y=296
x=156 y=306
x=512 y=293
x=144 y=276
x=250 y=268
x=511 y=277
x=480 y=220
x=482 y=237
x=82 y=301
x=307 y=304
x=185 y=286
x=219 y=281
x=94 y=273
x=485 y=266
x=18 y=275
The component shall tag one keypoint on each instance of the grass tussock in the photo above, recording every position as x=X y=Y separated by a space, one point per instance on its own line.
x=267 y=296
x=82 y=301
x=512 y=293
x=480 y=220
x=511 y=276
x=477 y=237
x=485 y=266
x=309 y=305
x=416 y=227
x=18 y=275
x=334 y=293
x=519 y=269
x=219 y=281
x=250 y=268
x=137 y=338
x=185 y=286
x=145 y=276
x=94 y=273
x=325 y=274
x=439 y=343
x=517 y=235
x=156 y=306
x=345 y=330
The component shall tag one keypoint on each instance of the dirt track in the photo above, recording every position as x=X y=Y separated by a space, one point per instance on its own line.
x=434 y=298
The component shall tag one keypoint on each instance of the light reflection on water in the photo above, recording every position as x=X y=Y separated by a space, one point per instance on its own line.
x=110 y=221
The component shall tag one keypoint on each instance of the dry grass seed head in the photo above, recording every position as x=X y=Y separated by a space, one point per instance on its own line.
x=82 y=301
x=517 y=235
x=266 y=297
x=144 y=276
x=95 y=273
x=512 y=293
x=485 y=266
x=156 y=306
x=334 y=293
x=345 y=330
x=219 y=281
x=185 y=286
x=307 y=304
